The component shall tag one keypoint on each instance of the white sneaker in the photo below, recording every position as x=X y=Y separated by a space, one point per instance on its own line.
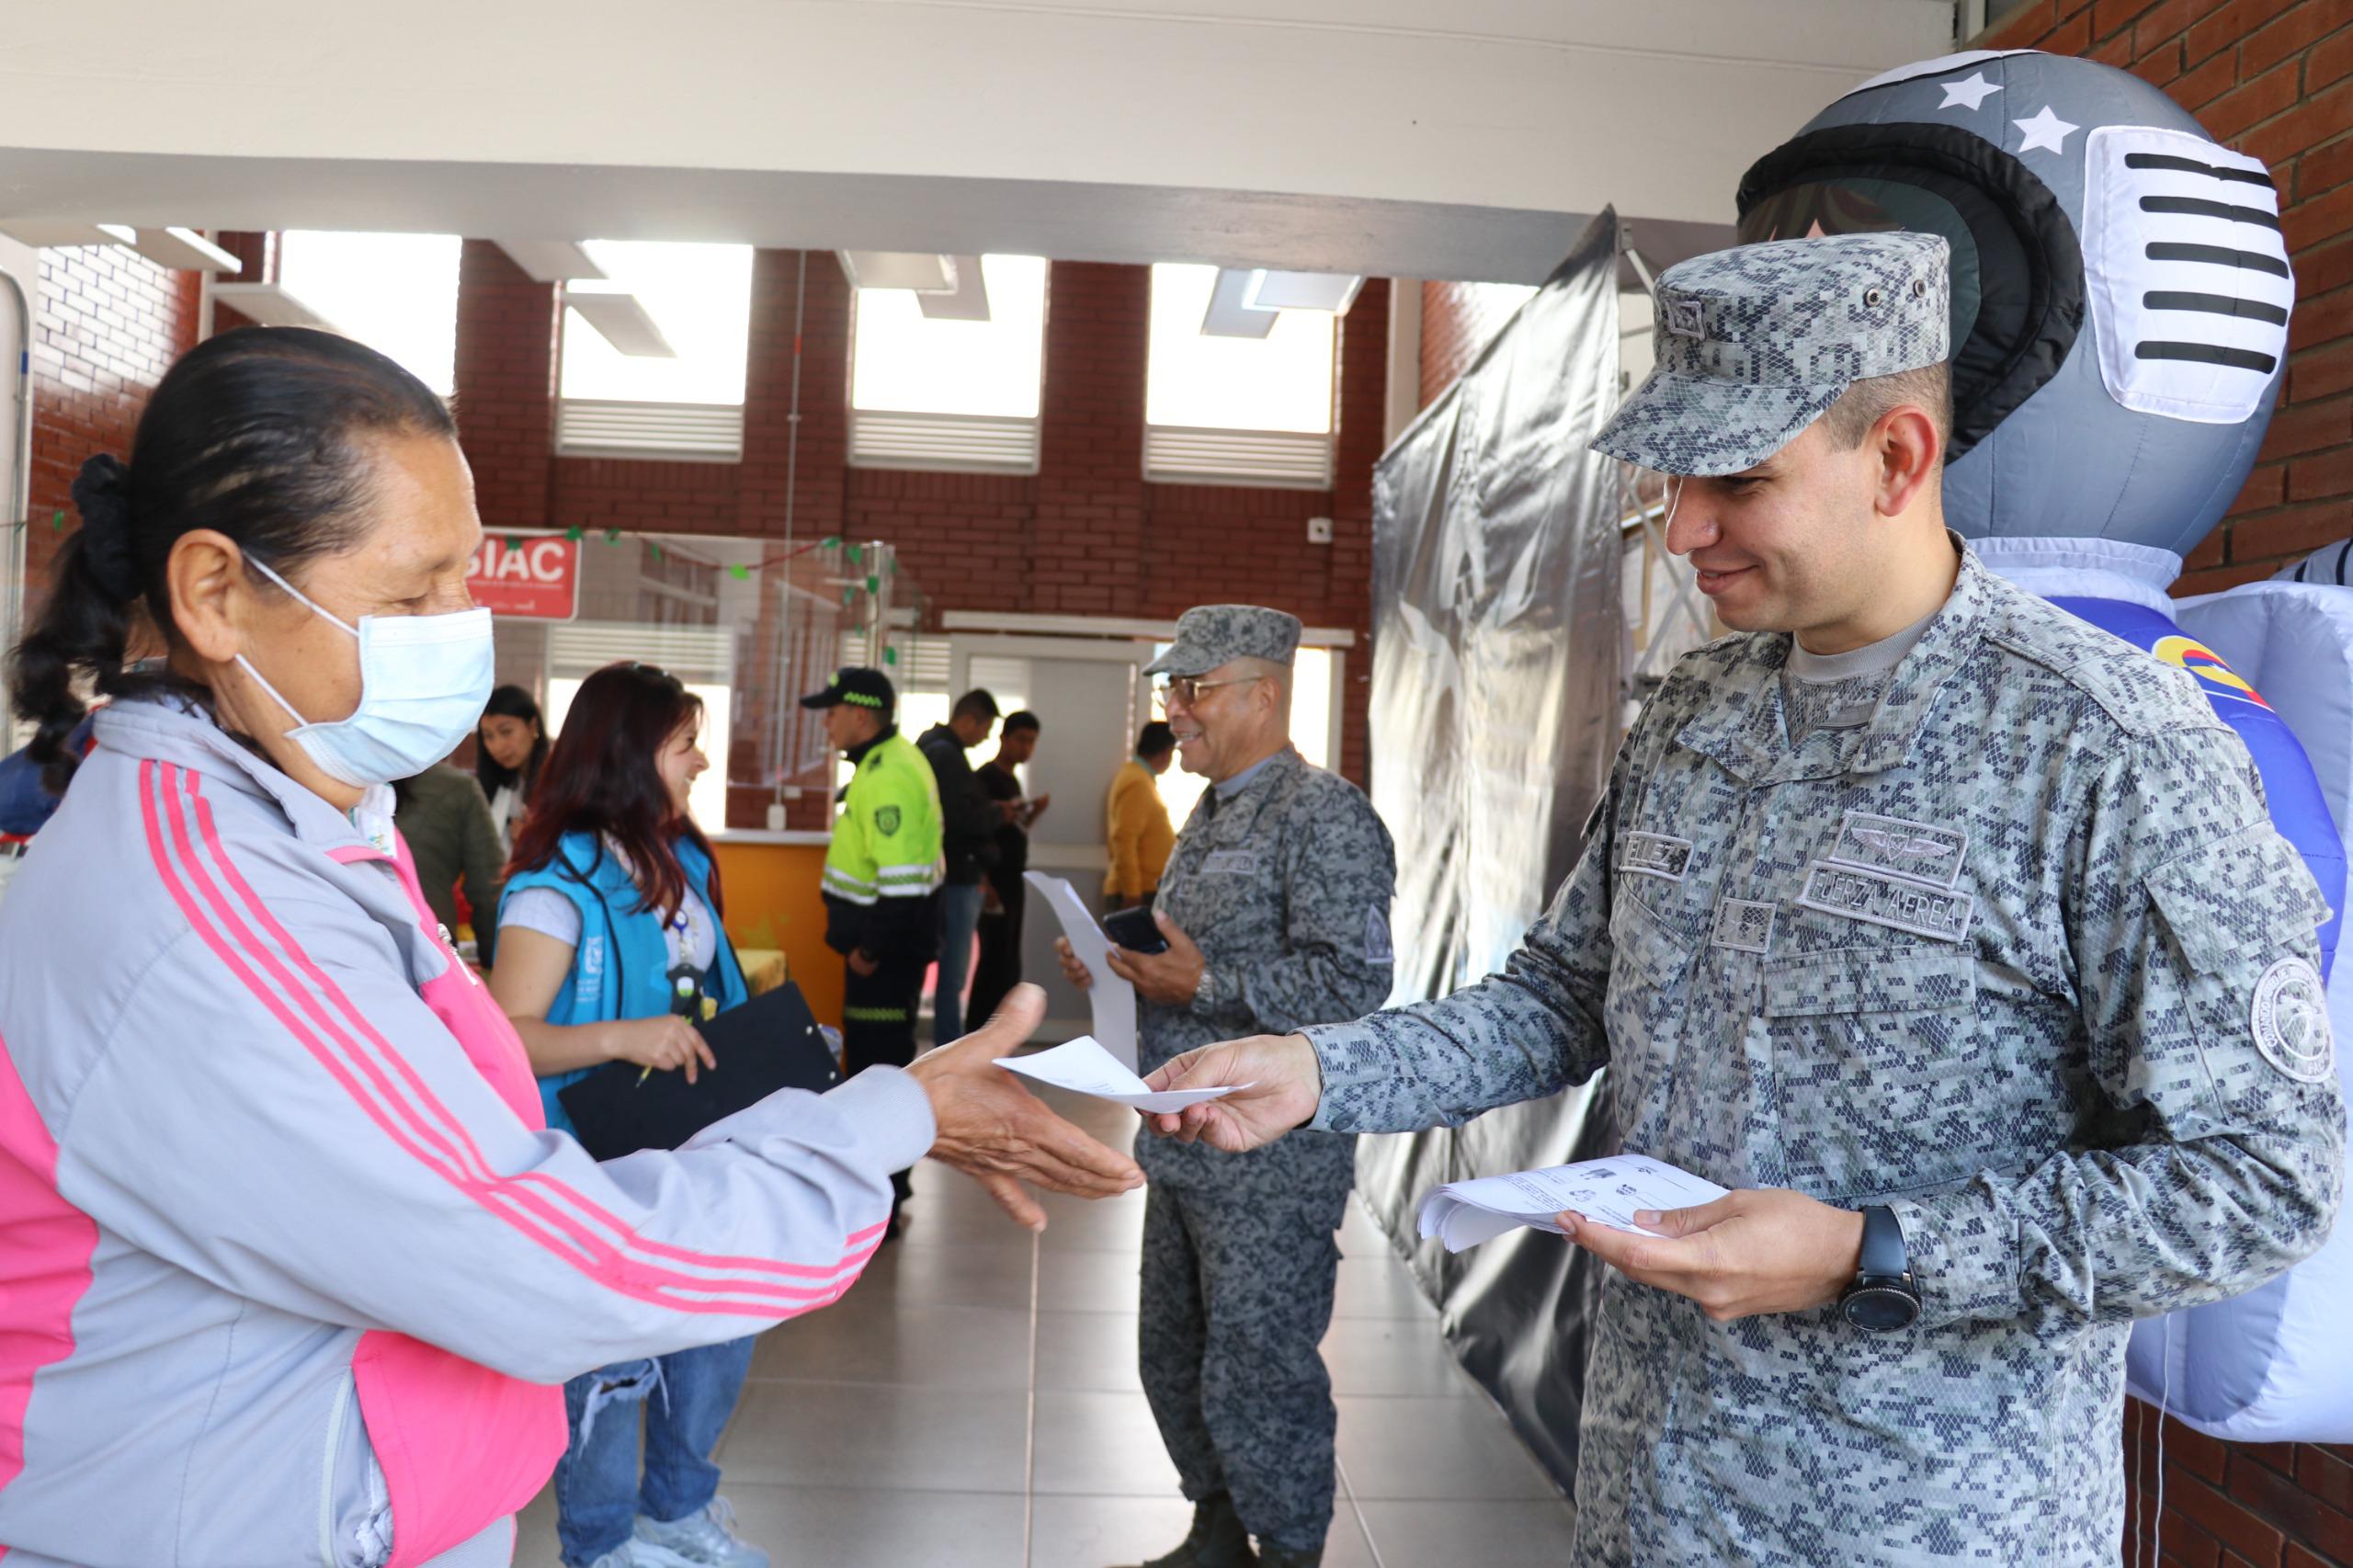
x=641 y=1554
x=707 y=1539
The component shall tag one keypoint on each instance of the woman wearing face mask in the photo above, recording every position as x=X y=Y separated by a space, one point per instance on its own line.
x=294 y=1272
x=608 y=864
x=511 y=747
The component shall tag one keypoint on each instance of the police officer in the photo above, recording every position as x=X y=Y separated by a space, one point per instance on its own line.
x=1945 y=930
x=1275 y=906
x=882 y=876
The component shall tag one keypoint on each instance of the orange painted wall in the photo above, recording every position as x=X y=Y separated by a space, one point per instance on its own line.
x=773 y=902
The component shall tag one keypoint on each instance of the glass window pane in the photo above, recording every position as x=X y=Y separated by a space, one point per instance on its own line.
x=905 y=362
x=700 y=298
x=1280 y=381
x=396 y=293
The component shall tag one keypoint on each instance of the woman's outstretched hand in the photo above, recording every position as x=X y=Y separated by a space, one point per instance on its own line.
x=1002 y=1135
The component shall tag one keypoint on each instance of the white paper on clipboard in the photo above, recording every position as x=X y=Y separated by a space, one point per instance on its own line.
x=1112 y=1000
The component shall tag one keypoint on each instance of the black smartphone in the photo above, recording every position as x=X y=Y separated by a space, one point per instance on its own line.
x=1134 y=930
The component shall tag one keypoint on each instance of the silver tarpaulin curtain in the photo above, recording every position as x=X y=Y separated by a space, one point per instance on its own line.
x=1498 y=632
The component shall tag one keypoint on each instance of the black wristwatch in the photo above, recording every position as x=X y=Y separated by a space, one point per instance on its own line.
x=1883 y=1298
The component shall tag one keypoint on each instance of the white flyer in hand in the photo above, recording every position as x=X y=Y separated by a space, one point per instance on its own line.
x=1111 y=999
x=1607 y=1192
x=1083 y=1065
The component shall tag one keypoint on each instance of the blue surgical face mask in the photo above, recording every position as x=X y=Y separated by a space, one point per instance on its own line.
x=423 y=681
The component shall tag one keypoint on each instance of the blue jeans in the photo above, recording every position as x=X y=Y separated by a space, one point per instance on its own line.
x=686 y=1397
x=960 y=920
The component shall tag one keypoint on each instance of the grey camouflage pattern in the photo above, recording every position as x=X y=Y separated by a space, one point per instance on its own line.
x=1238 y=1286
x=1211 y=635
x=1280 y=886
x=2067 y=1107
x=1754 y=343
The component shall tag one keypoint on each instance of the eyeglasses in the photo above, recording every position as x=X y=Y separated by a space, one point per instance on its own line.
x=1188 y=690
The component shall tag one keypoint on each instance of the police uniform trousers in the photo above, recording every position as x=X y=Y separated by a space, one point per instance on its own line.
x=1237 y=1283
x=879 y=1021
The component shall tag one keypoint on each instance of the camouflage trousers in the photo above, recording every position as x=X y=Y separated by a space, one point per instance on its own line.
x=1237 y=1293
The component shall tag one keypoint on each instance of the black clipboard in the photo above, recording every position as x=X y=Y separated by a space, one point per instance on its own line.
x=768 y=1043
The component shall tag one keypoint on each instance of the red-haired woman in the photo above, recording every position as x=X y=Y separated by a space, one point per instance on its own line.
x=611 y=913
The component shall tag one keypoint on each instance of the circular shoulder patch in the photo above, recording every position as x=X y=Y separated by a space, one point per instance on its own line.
x=2290 y=1021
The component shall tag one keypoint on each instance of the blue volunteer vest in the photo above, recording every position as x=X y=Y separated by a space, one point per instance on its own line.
x=622 y=968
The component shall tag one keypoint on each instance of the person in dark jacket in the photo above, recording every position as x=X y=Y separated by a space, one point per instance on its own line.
x=968 y=821
x=1005 y=895
x=442 y=815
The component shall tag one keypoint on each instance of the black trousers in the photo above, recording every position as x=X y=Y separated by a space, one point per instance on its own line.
x=1000 y=967
x=879 y=1022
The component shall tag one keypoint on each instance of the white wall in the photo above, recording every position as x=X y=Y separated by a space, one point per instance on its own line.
x=1508 y=105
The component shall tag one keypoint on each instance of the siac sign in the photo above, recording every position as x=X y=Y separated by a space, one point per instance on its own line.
x=538 y=578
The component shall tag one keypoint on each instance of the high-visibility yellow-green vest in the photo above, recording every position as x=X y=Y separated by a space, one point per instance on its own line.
x=887 y=840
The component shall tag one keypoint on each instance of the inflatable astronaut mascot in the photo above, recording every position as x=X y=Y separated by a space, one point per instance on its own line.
x=2121 y=295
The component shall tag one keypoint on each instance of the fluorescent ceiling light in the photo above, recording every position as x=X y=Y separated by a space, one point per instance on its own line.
x=967 y=301
x=1333 y=291
x=183 y=250
x=1230 y=313
x=551 y=261
x=921 y=271
x=624 y=323
x=60 y=232
x=270 y=305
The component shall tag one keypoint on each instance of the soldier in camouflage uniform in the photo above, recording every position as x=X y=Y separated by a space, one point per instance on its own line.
x=1992 y=942
x=1276 y=907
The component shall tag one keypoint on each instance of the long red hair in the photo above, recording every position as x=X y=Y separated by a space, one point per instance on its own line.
x=601 y=778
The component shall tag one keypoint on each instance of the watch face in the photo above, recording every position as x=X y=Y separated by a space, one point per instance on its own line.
x=1880 y=1309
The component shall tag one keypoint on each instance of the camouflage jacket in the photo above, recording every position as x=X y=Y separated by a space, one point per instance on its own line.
x=1285 y=886
x=2023 y=958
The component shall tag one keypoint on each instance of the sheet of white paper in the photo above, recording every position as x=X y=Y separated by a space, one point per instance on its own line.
x=1609 y=1192
x=1111 y=999
x=1082 y=1064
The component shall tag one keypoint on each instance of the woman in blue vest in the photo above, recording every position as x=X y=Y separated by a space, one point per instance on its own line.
x=609 y=944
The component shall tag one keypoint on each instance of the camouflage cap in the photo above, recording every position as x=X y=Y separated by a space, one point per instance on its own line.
x=1211 y=635
x=1756 y=342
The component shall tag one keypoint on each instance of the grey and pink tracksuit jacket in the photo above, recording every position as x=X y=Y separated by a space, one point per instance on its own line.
x=290 y=1270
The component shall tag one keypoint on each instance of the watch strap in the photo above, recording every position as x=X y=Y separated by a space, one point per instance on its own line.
x=1883 y=1254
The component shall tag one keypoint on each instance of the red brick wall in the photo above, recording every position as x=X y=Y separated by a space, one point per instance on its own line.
x=106 y=326
x=1084 y=536
x=508 y=360
x=1457 y=320
x=2274 y=78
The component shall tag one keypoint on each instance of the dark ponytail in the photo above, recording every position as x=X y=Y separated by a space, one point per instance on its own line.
x=254 y=434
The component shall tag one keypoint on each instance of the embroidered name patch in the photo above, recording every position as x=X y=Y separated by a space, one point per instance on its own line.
x=1744 y=926
x=1922 y=851
x=2290 y=1021
x=1232 y=862
x=1883 y=899
x=1656 y=855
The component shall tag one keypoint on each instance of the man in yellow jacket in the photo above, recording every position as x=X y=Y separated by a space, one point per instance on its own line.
x=882 y=876
x=1140 y=836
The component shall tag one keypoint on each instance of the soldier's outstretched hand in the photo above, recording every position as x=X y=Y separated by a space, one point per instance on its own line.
x=999 y=1133
x=1285 y=1085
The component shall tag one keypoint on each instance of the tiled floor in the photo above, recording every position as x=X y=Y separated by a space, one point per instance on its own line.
x=972 y=1402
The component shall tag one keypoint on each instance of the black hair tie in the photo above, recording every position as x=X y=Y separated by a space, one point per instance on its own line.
x=102 y=494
